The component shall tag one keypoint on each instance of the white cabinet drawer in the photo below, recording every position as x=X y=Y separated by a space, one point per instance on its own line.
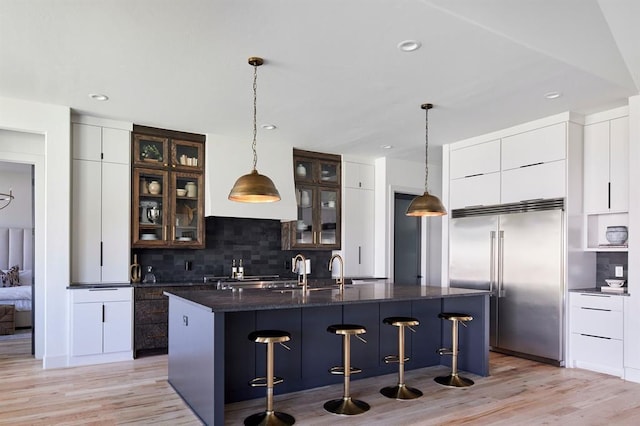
x=530 y=183
x=533 y=147
x=102 y=295
x=475 y=160
x=594 y=353
x=597 y=301
x=597 y=322
x=483 y=190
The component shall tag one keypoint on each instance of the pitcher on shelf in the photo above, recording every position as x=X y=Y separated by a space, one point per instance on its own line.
x=153 y=214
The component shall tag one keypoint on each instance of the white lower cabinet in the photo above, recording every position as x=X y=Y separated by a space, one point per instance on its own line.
x=101 y=325
x=596 y=332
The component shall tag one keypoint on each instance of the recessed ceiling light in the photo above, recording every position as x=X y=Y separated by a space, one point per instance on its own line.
x=268 y=126
x=552 y=95
x=386 y=146
x=98 y=97
x=409 y=45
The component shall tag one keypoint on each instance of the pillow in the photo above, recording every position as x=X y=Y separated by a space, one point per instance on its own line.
x=26 y=277
x=10 y=278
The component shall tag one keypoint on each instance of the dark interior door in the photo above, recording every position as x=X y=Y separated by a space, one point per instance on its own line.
x=406 y=242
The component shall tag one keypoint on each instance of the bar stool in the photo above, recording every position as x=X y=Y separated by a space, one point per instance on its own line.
x=346 y=405
x=401 y=390
x=453 y=379
x=269 y=416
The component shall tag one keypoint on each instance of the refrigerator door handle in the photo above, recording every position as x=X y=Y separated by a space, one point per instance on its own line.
x=492 y=260
x=501 y=292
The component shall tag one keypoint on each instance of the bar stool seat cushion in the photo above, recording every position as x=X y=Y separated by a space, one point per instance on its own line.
x=269 y=336
x=455 y=315
x=401 y=321
x=346 y=329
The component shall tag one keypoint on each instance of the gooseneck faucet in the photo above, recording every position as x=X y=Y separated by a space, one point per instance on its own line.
x=294 y=268
x=340 y=279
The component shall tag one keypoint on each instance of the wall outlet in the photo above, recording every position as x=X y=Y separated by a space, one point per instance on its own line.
x=619 y=272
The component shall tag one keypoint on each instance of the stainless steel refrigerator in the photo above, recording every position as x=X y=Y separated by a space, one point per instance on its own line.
x=517 y=252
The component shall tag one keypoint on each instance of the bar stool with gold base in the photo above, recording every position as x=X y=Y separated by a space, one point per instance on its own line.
x=401 y=390
x=453 y=379
x=269 y=416
x=346 y=405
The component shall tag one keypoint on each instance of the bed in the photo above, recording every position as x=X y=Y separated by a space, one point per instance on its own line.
x=16 y=248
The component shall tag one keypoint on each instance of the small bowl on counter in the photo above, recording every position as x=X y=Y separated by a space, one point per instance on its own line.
x=614 y=283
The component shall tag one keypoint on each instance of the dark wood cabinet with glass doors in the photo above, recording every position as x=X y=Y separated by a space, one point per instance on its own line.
x=317 y=179
x=168 y=189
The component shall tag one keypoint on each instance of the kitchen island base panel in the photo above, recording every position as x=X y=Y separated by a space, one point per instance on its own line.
x=204 y=364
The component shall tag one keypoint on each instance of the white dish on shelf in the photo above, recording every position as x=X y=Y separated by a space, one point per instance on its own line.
x=185 y=239
x=615 y=283
x=148 y=237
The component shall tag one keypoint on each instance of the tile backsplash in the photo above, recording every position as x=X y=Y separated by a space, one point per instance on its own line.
x=255 y=241
x=605 y=265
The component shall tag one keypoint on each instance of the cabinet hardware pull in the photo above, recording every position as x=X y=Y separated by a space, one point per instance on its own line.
x=595 y=309
x=359 y=255
x=597 y=337
x=532 y=164
x=477 y=174
x=103 y=289
x=185 y=320
x=103 y=313
x=609 y=195
x=101 y=253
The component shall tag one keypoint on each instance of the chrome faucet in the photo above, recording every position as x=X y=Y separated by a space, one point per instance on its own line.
x=294 y=268
x=340 y=279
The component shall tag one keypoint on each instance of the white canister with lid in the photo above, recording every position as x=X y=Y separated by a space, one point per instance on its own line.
x=192 y=189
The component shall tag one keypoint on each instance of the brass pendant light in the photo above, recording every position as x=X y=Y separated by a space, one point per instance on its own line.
x=254 y=187
x=426 y=204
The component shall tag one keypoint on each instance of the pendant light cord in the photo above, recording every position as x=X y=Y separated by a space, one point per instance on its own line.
x=426 y=149
x=255 y=113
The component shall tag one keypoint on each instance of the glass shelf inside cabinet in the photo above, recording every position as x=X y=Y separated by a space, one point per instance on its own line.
x=186 y=214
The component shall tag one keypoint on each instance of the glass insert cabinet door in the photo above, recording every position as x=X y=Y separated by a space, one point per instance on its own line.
x=150 y=217
x=328 y=232
x=305 y=225
x=187 y=194
x=150 y=151
x=187 y=155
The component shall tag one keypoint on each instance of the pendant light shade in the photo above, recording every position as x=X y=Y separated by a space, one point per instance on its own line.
x=426 y=204
x=254 y=187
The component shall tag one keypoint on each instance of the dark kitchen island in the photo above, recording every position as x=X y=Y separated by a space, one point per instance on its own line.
x=211 y=360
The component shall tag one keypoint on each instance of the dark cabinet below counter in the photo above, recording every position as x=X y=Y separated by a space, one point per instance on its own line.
x=151 y=317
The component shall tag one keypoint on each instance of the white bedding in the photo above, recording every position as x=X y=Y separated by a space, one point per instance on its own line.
x=20 y=296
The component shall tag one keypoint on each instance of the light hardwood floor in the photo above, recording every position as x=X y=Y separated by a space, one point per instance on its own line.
x=519 y=392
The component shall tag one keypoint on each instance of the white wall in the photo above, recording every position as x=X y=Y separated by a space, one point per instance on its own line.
x=227 y=160
x=16 y=177
x=52 y=216
x=391 y=176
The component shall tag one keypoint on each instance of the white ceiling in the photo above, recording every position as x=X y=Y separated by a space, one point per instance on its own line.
x=333 y=78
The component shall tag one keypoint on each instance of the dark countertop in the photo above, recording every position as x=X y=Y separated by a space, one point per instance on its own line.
x=596 y=290
x=265 y=299
x=89 y=286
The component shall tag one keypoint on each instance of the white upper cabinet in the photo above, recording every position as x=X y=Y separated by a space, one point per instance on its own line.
x=526 y=165
x=481 y=190
x=358 y=175
x=475 y=160
x=534 y=147
x=546 y=180
x=100 y=203
x=358 y=219
x=606 y=166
